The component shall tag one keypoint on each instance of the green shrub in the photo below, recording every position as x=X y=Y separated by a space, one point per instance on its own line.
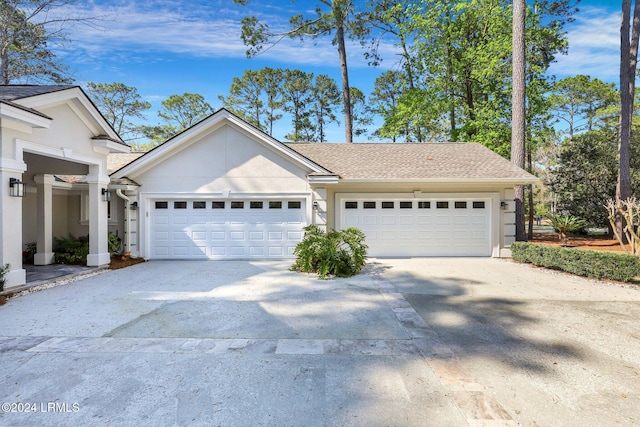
x=71 y=250
x=115 y=244
x=3 y=272
x=599 y=265
x=339 y=253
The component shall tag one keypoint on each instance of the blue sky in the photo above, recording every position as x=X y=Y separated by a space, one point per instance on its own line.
x=165 y=47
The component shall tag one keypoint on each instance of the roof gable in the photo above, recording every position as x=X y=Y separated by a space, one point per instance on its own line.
x=35 y=98
x=414 y=161
x=195 y=133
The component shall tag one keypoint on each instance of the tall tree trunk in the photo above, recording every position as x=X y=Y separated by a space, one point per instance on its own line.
x=530 y=195
x=628 y=61
x=346 y=95
x=4 y=68
x=518 y=118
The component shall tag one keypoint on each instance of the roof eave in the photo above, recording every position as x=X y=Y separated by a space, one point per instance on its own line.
x=21 y=114
x=500 y=181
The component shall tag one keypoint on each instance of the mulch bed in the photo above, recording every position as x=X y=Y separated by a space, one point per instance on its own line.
x=123 y=261
x=598 y=243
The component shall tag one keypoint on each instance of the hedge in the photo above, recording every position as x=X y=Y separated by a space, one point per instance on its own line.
x=599 y=265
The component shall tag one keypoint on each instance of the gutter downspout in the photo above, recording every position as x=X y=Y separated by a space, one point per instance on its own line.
x=127 y=232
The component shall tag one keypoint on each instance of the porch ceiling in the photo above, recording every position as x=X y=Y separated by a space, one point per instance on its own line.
x=38 y=164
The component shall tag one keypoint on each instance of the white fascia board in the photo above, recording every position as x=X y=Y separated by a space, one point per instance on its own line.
x=497 y=181
x=323 y=179
x=23 y=116
x=110 y=146
x=124 y=187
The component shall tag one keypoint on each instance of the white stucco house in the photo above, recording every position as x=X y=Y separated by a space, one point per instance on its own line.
x=223 y=189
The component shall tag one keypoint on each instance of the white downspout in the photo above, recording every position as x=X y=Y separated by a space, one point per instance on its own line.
x=127 y=220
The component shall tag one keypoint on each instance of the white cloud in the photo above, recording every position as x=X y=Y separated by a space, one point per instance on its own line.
x=173 y=27
x=594 y=46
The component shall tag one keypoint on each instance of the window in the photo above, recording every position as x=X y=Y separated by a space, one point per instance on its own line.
x=478 y=205
x=199 y=205
x=442 y=205
x=255 y=205
x=351 y=205
x=275 y=205
x=460 y=205
x=217 y=205
x=424 y=205
x=388 y=205
x=369 y=205
x=237 y=205
x=162 y=205
x=406 y=205
x=179 y=205
x=294 y=205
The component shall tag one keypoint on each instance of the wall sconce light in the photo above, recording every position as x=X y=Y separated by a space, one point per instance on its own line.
x=16 y=188
x=133 y=206
x=315 y=205
x=504 y=205
x=106 y=195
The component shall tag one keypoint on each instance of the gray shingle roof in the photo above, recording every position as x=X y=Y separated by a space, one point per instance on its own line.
x=412 y=161
x=12 y=92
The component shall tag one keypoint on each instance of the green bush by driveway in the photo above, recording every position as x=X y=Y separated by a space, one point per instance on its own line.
x=340 y=253
x=595 y=264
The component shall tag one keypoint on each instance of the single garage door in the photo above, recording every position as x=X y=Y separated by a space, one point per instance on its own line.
x=224 y=229
x=436 y=226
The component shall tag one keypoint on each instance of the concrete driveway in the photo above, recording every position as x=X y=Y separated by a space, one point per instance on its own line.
x=450 y=342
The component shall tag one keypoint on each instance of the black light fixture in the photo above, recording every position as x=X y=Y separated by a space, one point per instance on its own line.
x=133 y=206
x=106 y=195
x=16 y=187
x=504 y=205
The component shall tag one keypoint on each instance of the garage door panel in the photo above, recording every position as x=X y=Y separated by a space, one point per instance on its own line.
x=218 y=235
x=213 y=229
x=237 y=251
x=217 y=251
x=369 y=220
x=256 y=251
x=275 y=236
x=256 y=235
x=199 y=236
x=236 y=235
x=180 y=220
x=161 y=219
x=294 y=235
x=351 y=221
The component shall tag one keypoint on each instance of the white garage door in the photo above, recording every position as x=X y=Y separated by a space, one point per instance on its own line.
x=224 y=229
x=420 y=227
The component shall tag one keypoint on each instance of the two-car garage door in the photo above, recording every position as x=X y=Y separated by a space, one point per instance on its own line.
x=225 y=229
x=427 y=226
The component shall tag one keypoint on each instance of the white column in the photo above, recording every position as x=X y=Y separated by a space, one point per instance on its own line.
x=320 y=207
x=44 y=187
x=11 y=224
x=98 y=220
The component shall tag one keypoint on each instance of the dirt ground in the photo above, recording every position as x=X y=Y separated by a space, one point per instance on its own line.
x=598 y=243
